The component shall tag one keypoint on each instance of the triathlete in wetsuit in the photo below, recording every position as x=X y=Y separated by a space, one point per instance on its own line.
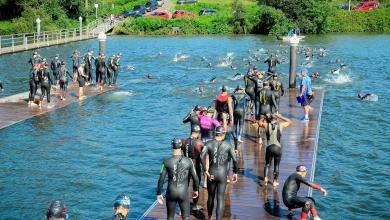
x=110 y=69
x=290 y=190
x=121 y=207
x=63 y=74
x=240 y=102
x=1 y=86
x=277 y=87
x=273 y=130
x=223 y=105
x=35 y=59
x=46 y=82
x=101 y=70
x=81 y=79
x=192 y=148
x=250 y=88
x=220 y=152
x=76 y=61
x=272 y=61
x=116 y=66
x=192 y=116
x=33 y=82
x=267 y=100
x=178 y=169
x=56 y=210
x=258 y=81
x=89 y=59
x=207 y=125
x=55 y=67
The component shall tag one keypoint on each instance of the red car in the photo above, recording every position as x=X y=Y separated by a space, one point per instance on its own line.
x=366 y=6
x=158 y=14
x=181 y=14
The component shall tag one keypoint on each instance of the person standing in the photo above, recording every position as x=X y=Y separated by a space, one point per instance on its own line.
x=290 y=191
x=101 y=70
x=55 y=66
x=76 y=61
x=272 y=61
x=116 y=66
x=273 y=130
x=220 y=152
x=224 y=106
x=81 y=79
x=240 y=102
x=277 y=88
x=35 y=59
x=63 y=74
x=306 y=94
x=110 y=69
x=179 y=169
x=46 y=82
x=192 y=148
x=33 y=82
x=89 y=60
x=192 y=116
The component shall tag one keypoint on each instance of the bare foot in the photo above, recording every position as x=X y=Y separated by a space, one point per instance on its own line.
x=241 y=141
x=275 y=183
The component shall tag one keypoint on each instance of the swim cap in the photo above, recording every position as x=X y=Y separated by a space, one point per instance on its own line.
x=239 y=87
x=35 y=53
x=63 y=63
x=304 y=70
x=273 y=116
x=224 y=89
x=197 y=108
x=195 y=128
x=176 y=143
x=301 y=168
x=210 y=110
x=56 y=209
x=122 y=200
x=219 y=130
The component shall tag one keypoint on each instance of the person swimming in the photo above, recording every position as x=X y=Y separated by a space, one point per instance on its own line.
x=149 y=76
x=212 y=80
x=315 y=75
x=362 y=96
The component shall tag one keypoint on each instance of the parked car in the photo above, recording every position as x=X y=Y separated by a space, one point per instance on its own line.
x=366 y=6
x=207 y=11
x=131 y=13
x=345 y=6
x=140 y=9
x=160 y=3
x=151 y=5
x=181 y=2
x=158 y=14
x=181 y=14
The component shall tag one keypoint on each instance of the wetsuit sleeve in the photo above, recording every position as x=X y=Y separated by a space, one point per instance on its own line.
x=163 y=173
x=194 y=177
x=202 y=155
x=281 y=88
x=274 y=102
x=49 y=77
x=234 y=158
x=304 y=181
x=187 y=118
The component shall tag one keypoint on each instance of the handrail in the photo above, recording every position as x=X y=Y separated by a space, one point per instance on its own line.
x=47 y=38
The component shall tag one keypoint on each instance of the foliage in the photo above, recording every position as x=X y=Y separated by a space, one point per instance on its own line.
x=272 y=21
x=238 y=20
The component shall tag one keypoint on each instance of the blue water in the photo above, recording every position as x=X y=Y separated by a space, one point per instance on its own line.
x=87 y=153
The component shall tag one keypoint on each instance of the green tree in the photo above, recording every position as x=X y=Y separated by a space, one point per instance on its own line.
x=238 y=20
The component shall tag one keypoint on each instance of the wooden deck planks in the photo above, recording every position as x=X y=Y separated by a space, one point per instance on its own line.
x=14 y=109
x=248 y=198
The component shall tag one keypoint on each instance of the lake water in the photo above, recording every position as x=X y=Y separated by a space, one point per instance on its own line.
x=86 y=154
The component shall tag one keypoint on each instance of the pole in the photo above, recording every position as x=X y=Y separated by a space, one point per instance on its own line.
x=96 y=8
x=294 y=41
x=102 y=42
x=81 y=26
x=349 y=5
x=38 y=28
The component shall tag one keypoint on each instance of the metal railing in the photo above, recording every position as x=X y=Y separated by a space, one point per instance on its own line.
x=25 y=41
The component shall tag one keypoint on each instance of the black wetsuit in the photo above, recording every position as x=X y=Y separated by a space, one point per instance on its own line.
x=277 y=87
x=110 y=70
x=273 y=150
x=192 y=148
x=88 y=66
x=179 y=169
x=220 y=153
x=81 y=79
x=55 y=67
x=267 y=101
x=258 y=87
x=1 y=85
x=192 y=118
x=76 y=63
x=100 y=70
x=63 y=74
x=46 y=83
x=116 y=69
x=240 y=101
x=34 y=61
x=33 y=82
x=290 y=190
x=272 y=64
x=249 y=87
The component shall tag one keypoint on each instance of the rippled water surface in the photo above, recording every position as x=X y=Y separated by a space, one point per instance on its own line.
x=87 y=153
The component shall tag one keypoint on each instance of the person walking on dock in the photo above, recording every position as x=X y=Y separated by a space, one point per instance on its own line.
x=63 y=74
x=250 y=90
x=293 y=201
x=46 y=82
x=273 y=130
x=55 y=66
x=272 y=61
x=277 y=88
x=192 y=148
x=306 y=94
x=89 y=60
x=240 y=102
x=220 y=152
x=192 y=116
x=121 y=207
x=33 y=82
x=81 y=79
x=179 y=169
x=207 y=124
x=224 y=106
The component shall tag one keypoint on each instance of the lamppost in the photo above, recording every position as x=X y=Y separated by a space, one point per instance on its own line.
x=38 y=28
x=96 y=8
x=81 y=26
x=294 y=41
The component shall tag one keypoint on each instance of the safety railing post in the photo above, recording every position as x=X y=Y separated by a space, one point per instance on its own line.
x=0 y=44
x=25 y=41
x=13 y=44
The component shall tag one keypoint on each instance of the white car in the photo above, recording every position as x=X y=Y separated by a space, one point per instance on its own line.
x=160 y=3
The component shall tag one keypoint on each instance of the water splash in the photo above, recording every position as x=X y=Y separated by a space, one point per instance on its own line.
x=180 y=57
x=339 y=79
x=371 y=98
x=120 y=94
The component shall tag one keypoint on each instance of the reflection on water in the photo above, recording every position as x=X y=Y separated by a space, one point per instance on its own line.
x=88 y=152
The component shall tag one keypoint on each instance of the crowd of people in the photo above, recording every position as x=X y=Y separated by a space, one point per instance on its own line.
x=55 y=74
x=216 y=132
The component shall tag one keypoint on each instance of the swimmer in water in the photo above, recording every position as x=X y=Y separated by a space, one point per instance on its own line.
x=178 y=168
x=212 y=80
x=121 y=207
x=56 y=211
x=219 y=153
x=201 y=89
x=362 y=96
x=149 y=76
x=209 y=65
x=315 y=75
x=293 y=201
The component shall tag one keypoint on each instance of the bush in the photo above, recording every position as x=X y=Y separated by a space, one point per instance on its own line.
x=272 y=21
x=6 y=28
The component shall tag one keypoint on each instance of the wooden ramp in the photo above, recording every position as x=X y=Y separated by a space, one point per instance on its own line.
x=248 y=198
x=14 y=109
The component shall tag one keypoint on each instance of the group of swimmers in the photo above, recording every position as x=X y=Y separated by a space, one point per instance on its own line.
x=216 y=132
x=44 y=75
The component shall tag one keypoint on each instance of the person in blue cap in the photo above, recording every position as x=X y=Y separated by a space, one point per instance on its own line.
x=121 y=207
x=306 y=93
